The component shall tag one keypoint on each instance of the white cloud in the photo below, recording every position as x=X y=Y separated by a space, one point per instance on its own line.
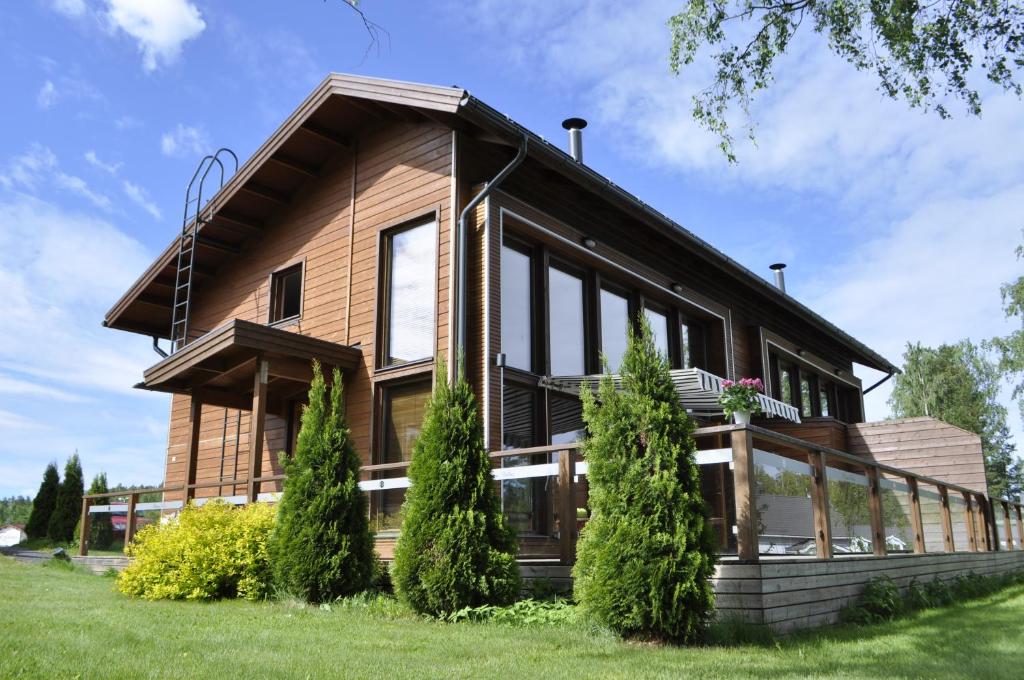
x=25 y=388
x=160 y=27
x=141 y=198
x=70 y=8
x=27 y=170
x=47 y=96
x=184 y=140
x=79 y=187
x=13 y=421
x=126 y=123
x=110 y=168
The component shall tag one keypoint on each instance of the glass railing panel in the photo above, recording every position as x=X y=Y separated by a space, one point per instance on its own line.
x=896 y=516
x=785 y=515
x=931 y=518
x=957 y=515
x=849 y=511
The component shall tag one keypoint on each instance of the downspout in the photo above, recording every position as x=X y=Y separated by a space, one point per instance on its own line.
x=462 y=247
x=890 y=374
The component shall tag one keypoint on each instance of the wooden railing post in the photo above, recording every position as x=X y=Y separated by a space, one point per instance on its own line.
x=915 y=516
x=129 y=525
x=877 y=517
x=993 y=523
x=567 y=508
x=83 y=531
x=947 y=521
x=819 y=504
x=984 y=534
x=745 y=494
x=972 y=541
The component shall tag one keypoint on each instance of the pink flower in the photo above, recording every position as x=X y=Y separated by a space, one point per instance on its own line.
x=727 y=383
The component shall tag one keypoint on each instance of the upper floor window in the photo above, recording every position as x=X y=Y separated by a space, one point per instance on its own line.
x=659 y=330
x=286 y=294
x=409 y=283
x=565 y=323
x=517 y=308
x=614 y=327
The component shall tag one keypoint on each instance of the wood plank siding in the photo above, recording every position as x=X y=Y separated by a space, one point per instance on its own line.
x=926 y=446
x=402 y=172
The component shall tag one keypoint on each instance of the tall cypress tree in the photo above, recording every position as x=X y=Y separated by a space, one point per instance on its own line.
x=456 y=548
x=69 y=503
x=101 y=529
x=645 y=556
x=322 y=547
x=44 y=502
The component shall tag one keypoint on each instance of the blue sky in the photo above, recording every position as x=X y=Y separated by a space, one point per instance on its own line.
x=896 y=225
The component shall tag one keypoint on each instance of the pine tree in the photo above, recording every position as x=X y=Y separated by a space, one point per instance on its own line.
x=456 y=548
x=44 y=502
x=101 y=529
x=322 y=547
x=645 y=556
x=69 y=503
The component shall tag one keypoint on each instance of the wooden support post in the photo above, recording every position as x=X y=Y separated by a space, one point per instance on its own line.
x=1007 y=525
x=819 y=505
x=256 y=427
x=129 y=525
x=195 y=423
x=877 y=517
x=83 y=535
x=915 y=516
x=947 y=521
x=972 y=539
x=993 y=523
x=745 y=494
x=566 y=508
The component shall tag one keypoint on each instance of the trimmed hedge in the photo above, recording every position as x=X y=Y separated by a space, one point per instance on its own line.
x=207 y=552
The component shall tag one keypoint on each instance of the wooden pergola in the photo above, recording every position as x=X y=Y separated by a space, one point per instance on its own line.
x=246 y=366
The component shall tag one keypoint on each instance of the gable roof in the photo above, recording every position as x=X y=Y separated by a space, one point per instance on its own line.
x=320 y=126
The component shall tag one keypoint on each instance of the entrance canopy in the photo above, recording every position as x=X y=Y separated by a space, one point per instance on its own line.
x=698 y=392
x=219 y=367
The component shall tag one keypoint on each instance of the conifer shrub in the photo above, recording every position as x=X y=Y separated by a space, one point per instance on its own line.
x=101 y=528
x=645 y=556
x=43 y=503
x=322 y=547
x=207 y=552
x=68 y=508
x=455 y=549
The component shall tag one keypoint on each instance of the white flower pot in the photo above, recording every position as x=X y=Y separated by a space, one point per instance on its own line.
x=741 y=417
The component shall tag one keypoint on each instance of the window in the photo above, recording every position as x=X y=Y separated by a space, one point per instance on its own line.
x=565 y=323
x=402 y=409
x=659 y=330
x=566 y=424
x=516 y=308
x=786 y=374
x=409 y=283
x=825 y=398
x=806 y=407
x=286 y=294
x=684 y=346
x=614 y=328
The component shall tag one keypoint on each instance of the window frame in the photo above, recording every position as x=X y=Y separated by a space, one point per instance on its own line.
x=586 y=291
x=537 y=306
x=381 y=406
x=385 y=237
x=275 y=287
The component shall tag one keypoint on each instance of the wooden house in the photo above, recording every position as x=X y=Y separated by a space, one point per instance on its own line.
x=386 y=226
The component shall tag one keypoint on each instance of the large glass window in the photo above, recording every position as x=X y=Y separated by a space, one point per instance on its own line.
x=565 y=323
x=786 y=373
x=525 y=501
x=659 y=330
x=806 y=407
x=614 y=328
x=566 y=426
x=516 y=309
x=410 y=282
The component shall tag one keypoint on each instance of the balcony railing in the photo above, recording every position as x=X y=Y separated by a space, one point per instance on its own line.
x=769 y=494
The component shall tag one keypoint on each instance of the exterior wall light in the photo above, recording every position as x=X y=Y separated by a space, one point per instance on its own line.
x=589 y=243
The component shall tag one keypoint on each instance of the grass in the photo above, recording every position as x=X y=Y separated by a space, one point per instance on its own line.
x=56 y=622
x=47 y=545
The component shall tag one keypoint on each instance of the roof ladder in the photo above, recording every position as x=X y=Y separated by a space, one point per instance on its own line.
x=191 y=223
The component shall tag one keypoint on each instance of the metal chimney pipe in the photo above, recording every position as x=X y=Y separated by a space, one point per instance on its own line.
x=780 y=276
x=575 y=127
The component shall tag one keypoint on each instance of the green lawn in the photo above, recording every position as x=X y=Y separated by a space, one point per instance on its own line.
x=59 y=623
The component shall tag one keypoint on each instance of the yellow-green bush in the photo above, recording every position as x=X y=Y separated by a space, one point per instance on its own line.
x=207 y=552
